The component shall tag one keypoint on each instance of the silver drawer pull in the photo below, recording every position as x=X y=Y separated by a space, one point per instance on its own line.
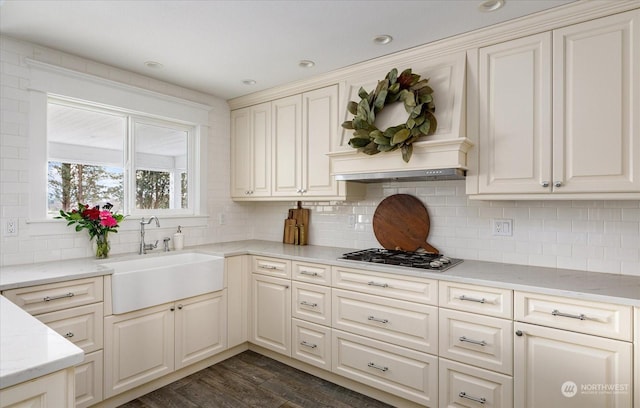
x=382 y=285
x=308 y=273
x=478 y=342
x=305 y=303
x=69 y=335
x=310 y=345
x=375 y=319
x=469 y=397
x=470 y=299
x=270 y=267
x=581 y=316
x=378 y=367
x=50 y=298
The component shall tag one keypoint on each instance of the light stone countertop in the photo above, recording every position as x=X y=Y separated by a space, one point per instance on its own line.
x=603 y=287
x=29 y=349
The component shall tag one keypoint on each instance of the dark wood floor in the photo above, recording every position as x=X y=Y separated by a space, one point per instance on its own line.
x=252 y=380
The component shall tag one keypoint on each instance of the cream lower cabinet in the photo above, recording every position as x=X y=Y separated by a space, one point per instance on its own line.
x=557 y=114
x=583 y=358
x=50 y=391
x=74 y=309
x=271 y=313
x=147 y=344
x=557 y=368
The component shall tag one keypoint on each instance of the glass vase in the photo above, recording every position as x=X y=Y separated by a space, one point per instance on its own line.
x=102 y=246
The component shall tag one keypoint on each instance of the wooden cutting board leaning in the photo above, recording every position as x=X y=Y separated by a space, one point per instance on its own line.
x=401 y=222
x=296 y=226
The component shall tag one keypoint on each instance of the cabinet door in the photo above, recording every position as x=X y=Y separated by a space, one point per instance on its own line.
x=251 y=151
x=241 y=156
x=89 y=380
x=515 y=116
x=200 y=328
x=139 y=347
x=320 y=128
x=557 y=368
x=271 y=313
x=52 y=390
x=596 y=94
x=287 y=146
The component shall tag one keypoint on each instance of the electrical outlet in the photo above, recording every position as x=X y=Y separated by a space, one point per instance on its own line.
x=503 y=227
x=221 y=219
x=11 y=228
x=351 y=221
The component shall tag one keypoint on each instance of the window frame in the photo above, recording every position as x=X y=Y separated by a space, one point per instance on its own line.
x=129 y=207
x=48 y=80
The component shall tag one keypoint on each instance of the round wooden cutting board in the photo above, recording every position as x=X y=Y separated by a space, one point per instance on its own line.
x=401 y=222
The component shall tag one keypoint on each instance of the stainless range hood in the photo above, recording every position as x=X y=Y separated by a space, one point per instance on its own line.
x=404 y=175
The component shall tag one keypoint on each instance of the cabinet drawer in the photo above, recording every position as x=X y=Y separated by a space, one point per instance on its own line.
x=396 y=370
x=482 y=341
x=89 y=380
x=600 y=319
x=80 y=325
x=56 y=296
x=311 y=343
x=476 y=299
x=311 y=303
x=465 y=386
x=311 y=273
x=395 y=321
x=271 y=266
x=383 y=284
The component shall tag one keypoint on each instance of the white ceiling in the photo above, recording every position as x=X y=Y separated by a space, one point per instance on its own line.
x=213 y=45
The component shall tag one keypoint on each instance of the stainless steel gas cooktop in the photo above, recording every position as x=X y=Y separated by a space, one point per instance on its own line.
x=419 y=260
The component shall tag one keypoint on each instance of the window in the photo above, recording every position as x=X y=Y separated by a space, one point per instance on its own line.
x=97 y=155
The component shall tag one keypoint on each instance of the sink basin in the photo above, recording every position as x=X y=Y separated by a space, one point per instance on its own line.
x=145 y=282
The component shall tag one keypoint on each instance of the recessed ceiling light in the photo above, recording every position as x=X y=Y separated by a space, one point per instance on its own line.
x=382 y=39
x=488 y=6
x=249 y=82
x=306 y=64
x=153 y=65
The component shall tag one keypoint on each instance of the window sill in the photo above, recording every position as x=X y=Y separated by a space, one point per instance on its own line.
x=48 y=226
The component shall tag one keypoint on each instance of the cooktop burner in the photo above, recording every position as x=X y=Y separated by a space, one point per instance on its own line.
x=420 y=260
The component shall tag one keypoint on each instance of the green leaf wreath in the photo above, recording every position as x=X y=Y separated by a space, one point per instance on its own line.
x=418 y=102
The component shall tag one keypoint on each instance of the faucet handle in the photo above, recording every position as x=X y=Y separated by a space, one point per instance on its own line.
x=166 y=243
x=156 y=244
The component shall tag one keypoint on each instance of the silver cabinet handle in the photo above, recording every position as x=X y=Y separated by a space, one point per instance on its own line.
x=180 y=307
x=172 y=308
x=308 y=273
x=471 y=398
x=270 y=267
x=545 y=184
x=470 y=299
x=50 y=298
x=478 y=342
x=378 y=367
x=375 y=319
x=69 y=335
x=581 y=316
x=305 y=303
x=310 y=345
x=303 y=191
x=557 y=183
x=519 y=333
x=382 y=285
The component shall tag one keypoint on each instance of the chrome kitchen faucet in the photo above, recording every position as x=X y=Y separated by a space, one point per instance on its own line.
x=144 y=247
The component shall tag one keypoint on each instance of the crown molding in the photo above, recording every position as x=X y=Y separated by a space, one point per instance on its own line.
x=572 y=13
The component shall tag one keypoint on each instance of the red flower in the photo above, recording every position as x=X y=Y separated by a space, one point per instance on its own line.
x=91 y=213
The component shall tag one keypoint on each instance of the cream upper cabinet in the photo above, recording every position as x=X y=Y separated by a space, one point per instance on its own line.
x=558 y=113
x=251 y=151
x=287 y=146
